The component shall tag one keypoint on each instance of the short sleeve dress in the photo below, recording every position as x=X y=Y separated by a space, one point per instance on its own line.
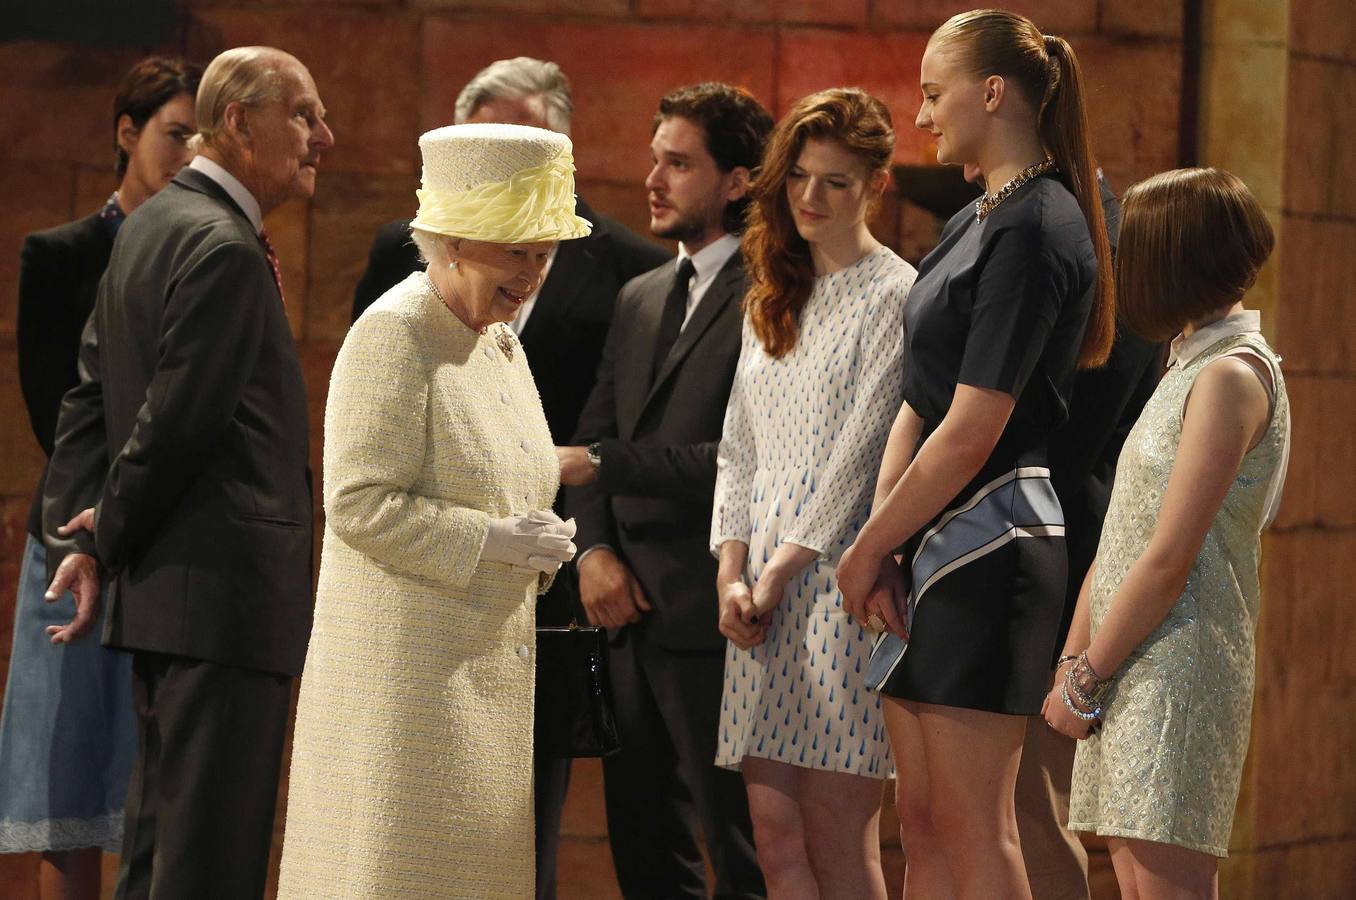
x=1001 y=303
x=801 y=446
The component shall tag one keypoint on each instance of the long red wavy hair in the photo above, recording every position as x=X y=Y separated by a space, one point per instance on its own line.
x=777 y=258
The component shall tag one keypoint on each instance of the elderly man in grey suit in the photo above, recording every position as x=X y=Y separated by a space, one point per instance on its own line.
x=180 y=470
x=643 y=472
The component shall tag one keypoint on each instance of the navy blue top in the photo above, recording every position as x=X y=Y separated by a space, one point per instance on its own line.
x=1002 y=304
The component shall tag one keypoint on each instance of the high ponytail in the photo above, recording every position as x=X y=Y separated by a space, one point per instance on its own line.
x=1045 y=70
x=1064 y=130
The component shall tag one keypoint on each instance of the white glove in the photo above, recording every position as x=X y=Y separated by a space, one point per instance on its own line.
x=538 y=540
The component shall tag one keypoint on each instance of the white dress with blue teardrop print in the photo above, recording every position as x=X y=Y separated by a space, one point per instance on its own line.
x=801 y=448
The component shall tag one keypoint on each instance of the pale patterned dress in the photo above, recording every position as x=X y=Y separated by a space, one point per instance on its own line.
x=798 y=460
x=412 y=761
x=1167 y=764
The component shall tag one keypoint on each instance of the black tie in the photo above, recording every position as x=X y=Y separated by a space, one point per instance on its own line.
x=675 y=310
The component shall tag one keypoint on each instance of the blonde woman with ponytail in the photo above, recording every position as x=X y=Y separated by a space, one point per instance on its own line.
x=1017 y=295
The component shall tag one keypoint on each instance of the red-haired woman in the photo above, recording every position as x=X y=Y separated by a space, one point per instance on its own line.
x=814 y=394
x=1017 y=294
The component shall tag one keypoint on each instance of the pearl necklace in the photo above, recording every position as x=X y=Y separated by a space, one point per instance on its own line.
x=985 y=205
x=503 y=337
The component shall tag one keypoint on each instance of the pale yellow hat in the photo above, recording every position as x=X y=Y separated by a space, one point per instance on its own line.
x=509 y=184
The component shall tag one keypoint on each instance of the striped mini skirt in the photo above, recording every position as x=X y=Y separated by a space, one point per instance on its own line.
x=988 y=584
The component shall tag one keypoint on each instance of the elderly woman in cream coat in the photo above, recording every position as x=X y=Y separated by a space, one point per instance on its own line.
x=412 y=760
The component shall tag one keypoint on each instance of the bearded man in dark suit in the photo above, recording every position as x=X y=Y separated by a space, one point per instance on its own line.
x=562 y=328
x=180 y=470
x=642 y=475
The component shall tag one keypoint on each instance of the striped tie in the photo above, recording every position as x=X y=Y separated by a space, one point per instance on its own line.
x=273 y=264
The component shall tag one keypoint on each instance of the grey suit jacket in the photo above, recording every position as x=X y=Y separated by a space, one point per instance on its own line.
x=658 y=440
x=188 y=433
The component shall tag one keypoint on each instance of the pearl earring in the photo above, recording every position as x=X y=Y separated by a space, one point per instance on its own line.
x=452 y=264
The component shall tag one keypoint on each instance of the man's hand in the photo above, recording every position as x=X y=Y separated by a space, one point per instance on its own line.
x=575 y=468
x=611 y=595
x=79 y=574
x=82 y=522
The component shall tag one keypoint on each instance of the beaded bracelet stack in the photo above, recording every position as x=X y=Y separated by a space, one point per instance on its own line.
x=1081 y=681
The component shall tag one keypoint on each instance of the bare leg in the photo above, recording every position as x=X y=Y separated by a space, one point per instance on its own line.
x=1169 y=872
x=779 y=829
x=841 y=815
x=1124 y=865
x=927 y=877
x=972 y=760
x=70 y=874
x=1056 y=863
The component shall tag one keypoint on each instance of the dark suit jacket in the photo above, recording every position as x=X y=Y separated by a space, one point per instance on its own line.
x=188 y=432
x=652 y=501
x=59 y=271
x=563 y=338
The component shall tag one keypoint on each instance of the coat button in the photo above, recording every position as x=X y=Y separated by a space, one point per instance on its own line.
x=524 y=445
x=489 y=353
x=523 y=652
x=504 y=397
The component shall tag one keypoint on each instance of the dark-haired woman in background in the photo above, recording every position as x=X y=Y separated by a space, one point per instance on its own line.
x=68 y=731
x=1017 y=294
x=814 y=394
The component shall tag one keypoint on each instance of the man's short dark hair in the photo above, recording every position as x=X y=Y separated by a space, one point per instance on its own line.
x=735 y=126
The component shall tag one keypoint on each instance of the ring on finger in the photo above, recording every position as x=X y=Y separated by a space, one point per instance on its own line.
x=875 y=624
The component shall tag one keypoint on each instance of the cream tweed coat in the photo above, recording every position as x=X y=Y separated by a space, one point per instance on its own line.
x=412 y=759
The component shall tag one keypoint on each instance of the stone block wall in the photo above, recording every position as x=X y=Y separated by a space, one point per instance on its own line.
x=1296 y=830
x=390 y=69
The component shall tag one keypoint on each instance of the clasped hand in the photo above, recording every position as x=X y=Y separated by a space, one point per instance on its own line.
x=873 y=588
x=1059 y=717
x=539 y=540
x=745 y=613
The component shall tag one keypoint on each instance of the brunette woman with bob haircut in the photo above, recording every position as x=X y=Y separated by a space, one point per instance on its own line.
x=1017 y=294
x=816 y=388
x=1161 y=648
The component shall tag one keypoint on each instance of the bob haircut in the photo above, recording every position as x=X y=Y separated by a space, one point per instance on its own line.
x=1192 y=241
x=149 y=85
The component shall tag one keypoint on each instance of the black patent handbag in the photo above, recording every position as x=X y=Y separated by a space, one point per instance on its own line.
x=574 y=715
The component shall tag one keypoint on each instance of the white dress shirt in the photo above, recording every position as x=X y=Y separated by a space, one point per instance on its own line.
x=708 y=261
x=232 y=186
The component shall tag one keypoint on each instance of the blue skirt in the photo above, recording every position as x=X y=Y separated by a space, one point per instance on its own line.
x=68 y=731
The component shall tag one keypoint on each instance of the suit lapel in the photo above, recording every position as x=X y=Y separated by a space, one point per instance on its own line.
x=572 y=269
x=631 y=394
x=194 y=180
x=721 y=293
